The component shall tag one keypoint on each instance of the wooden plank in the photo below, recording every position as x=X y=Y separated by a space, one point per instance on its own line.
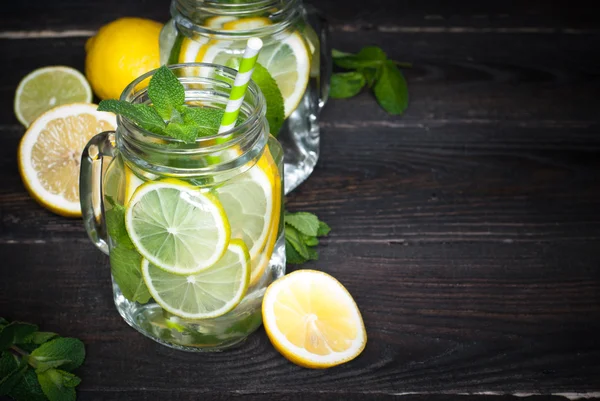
x=531 y=16
x=460 y=77
x=450 y=182
x=441 y=317
x=133 y=395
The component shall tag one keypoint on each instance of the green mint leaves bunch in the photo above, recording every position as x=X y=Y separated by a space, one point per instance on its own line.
x=168 y=114
x=302 y=230
x=371 y=67
x=37 y=365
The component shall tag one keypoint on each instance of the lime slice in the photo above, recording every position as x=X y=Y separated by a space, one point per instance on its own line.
x=48 y=87
x=210 y=293
x=287 y=58
x=177 y=227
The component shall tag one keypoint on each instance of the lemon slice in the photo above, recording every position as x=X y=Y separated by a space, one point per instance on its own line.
x=210 y=293
x=132 y=182
x=253 y=205
x=261 y=261
x=50 y=154
x=177 y=227
x=312 y=320
x=49 y=87
x=218 y=21
x=287 y=58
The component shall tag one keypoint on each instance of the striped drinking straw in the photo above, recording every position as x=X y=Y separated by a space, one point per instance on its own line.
x=236 y=97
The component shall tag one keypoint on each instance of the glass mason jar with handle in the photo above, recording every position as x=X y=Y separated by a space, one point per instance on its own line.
x=193 y=230
x=296 y=52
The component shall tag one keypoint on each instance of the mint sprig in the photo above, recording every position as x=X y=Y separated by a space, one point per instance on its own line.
x=374 y=69
x=168 y=115
x=302 y=230
x=37 y=365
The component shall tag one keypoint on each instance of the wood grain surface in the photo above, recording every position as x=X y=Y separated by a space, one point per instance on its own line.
x=467 y=230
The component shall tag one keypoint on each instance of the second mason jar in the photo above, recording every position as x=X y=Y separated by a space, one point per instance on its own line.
x=193 y=230
x=295 y=52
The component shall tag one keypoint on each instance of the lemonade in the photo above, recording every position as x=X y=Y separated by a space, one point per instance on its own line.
x=194 y=228
x=295 y=53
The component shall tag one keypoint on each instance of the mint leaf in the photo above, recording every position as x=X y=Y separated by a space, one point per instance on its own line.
x=292 y=237
x=66 y=352
x=207 y=120
x=292 y=256
x=115 y=223
x=182 y=131
x=141 y=114
x=126 y=270
x=309 y=240
x=391 y=90
x=323 y=229
x=346 y=84
x=56 y=385
x=304 y=222
x=8 y=363
x=3 y=322
x=312 y=254
x=9 y=380
x=370 y=75
x=275 y=105
x=369 y=56
x=28 y=388
x=39 y=337
x=166 y=92
x=14 y=333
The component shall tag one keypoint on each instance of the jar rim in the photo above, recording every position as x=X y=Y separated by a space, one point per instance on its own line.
x=258 y=111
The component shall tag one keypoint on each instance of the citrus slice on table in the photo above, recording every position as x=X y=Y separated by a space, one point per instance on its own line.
x=177 y=227
x=50 y=154
x=210 y=293
x=287 y=58
x=312 y=320
x=252 y=202
x=49 y=87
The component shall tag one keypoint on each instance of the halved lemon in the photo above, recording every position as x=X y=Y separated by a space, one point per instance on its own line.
x=210 y=293
x=176 y=226
x=287 y=57
x=48 y=87
x=312 y=320
x=50 y=154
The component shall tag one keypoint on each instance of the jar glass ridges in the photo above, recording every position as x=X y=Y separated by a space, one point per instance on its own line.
x=295 y=52
x=221 y=170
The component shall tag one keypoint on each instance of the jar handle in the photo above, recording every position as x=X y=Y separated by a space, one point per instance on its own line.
x=96 y=156
x=321 y=26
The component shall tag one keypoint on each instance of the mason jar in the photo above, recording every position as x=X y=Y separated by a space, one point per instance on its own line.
x=193 y=230
x=296 y=53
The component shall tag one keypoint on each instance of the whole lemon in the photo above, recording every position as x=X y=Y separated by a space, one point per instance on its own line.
x=120 y=52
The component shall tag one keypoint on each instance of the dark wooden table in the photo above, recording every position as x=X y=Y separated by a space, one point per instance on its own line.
x=467 y=230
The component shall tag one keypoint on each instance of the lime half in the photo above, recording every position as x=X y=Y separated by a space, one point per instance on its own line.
x=177 y=227
x=210 y=293
x=48 y=87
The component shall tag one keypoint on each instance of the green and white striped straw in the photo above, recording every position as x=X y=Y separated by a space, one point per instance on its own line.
x=236 y=97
